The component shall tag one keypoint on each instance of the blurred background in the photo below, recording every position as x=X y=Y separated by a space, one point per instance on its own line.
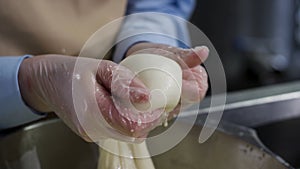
x=258 y=40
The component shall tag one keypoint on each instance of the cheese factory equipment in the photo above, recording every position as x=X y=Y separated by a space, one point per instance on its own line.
x=50 y=144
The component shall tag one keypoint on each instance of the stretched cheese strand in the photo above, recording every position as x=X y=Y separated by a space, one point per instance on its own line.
x=140 y=150
x=107 y=159
x=126 y=155
x=123 y=158
x=163 y=77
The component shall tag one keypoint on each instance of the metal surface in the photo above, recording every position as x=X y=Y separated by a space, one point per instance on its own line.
x=50 y=144
x=259 y=106
x=231 y=147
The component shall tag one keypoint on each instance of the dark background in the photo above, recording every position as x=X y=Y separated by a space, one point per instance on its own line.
x=257 y=40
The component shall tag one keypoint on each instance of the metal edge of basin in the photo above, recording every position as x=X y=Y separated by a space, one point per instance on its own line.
x=258 y=106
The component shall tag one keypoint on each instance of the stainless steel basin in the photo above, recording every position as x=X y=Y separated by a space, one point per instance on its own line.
x=51 y=145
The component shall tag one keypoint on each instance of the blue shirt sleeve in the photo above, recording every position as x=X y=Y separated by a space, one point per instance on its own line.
x=153 y=26
x=13 y=110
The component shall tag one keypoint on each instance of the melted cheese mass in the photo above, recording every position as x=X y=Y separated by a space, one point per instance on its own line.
x=163 y=77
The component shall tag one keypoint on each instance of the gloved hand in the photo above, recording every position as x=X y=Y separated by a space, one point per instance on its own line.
x=194 y=80
x=46 y=84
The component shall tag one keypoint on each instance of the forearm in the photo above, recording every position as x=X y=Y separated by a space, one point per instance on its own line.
x=28 y=89
x=14 y=110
